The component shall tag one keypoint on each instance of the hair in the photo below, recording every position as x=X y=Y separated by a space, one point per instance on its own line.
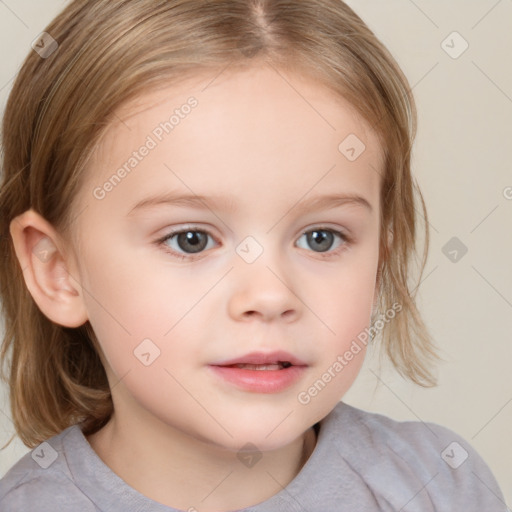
x=111 y=51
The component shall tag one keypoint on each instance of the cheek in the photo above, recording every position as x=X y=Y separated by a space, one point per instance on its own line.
x=125 y=291
x=344 y=299
x=344 y=311
x=136 y=308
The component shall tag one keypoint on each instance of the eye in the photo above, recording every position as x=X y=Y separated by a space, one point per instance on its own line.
x=322 y=240
x=187 y=242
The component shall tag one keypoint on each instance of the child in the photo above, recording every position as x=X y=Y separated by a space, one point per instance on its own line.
x=148 y=375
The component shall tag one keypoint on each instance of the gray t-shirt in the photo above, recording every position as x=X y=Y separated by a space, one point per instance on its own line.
x=362 y=462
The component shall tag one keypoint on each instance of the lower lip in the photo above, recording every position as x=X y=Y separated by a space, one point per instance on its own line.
x=260 y=381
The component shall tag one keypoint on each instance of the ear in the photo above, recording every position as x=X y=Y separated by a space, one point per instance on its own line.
x=48 y=269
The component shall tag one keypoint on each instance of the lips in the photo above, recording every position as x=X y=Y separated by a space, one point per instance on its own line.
x=280 y=365
x=260 y=360
x=260 y=372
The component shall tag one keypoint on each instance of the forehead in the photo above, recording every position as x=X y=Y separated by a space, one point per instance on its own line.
x=242 y=126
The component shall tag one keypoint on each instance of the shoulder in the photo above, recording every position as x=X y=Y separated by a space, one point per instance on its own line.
x=416 y=456
x=41 y=480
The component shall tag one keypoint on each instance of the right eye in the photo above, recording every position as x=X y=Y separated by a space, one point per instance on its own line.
x=186 y=242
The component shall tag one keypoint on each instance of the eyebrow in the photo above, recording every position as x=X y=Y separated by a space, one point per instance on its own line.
x=222 y=203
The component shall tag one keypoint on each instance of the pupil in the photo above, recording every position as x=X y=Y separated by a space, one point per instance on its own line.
x=192 y=241
x=323 y=240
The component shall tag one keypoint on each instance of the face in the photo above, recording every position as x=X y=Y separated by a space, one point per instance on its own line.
x=228 y=232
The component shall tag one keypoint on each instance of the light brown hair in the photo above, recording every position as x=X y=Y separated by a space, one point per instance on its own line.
x=111 y=51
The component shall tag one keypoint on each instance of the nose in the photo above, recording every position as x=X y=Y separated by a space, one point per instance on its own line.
x=263 y=293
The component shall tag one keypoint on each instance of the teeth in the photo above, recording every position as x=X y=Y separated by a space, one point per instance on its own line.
x=260 y=366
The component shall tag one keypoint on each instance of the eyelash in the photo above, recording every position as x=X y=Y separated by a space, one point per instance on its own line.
x=161 y=242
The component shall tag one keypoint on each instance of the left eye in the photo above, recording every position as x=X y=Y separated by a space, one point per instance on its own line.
x=188 y=242
x=322 y=240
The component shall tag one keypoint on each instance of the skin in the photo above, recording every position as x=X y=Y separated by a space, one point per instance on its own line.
x=177 y=427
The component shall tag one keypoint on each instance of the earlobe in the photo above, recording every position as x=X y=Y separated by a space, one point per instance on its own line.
x=46 y=269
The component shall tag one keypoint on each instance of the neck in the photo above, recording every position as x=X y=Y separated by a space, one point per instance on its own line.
x=182 y=472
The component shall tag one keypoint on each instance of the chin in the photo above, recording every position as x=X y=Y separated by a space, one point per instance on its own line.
x=264 y=439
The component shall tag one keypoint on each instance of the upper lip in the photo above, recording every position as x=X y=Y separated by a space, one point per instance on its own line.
x=263 y=358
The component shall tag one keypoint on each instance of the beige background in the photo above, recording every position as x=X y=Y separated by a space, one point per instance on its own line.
x=462 y=161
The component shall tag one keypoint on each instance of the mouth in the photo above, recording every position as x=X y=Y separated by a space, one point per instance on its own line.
x=276 y=360
x=261 y=373
x=278 y=365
